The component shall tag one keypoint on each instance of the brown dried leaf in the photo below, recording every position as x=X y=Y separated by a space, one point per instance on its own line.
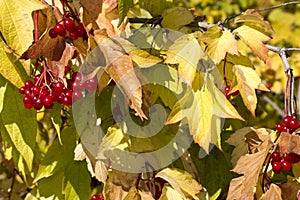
x=250 y=166
x=91 y=10
x=289 y=190
x=289 y=143
x=120 y=68
x=273 y=193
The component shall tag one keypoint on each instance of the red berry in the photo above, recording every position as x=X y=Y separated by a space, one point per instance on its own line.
x=58 y=86
x=28 y=84
x=285 y=165
x=280 y=127
x=80 y=30
x=27 y=92
x=60 y=30
x=286 y=120
x=287 y=157
x=77 y=95
x=76 y=76
x=69 y=24
x=50 y=106
x=36 y=78
x=44 y=93
x=38 y=104
x=52 y=33
x=67 y=101
x=28 y=106
x=22 y=90
x=60 y=98
x=73 y=34
x=227 y=90
x=97 y=197
x=47 y=100
x=91 y=84
x=68 y=93
x=275 y=156
x=27 y=99
x=295 y=157
x=36 y=89
x=276 y=166
x=293 y=123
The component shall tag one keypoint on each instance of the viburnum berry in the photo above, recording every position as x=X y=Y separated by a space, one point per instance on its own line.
x=293 y=123
x=276 y=166
x=38 y=104
x=97 y=197
x=275 y=156
x=73 y=34
x=80 y=30
x=58 y=86
x=287 y=157
x=47 y=100
x=52 y=33
x=22 y=90
x=60 y=30
x=28 y=106
x=286 y=120
x=36 y=90
x=68 y=24
x=27 y=99
x=28 y=84
x=280 y=128
x=77 y=95
x=285 y=165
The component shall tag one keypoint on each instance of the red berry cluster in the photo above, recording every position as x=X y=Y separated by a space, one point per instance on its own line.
x=68 y=26
x=283 y=162
x=97 y=197
x=229 y=94
x=45 y=90
x=289 y=124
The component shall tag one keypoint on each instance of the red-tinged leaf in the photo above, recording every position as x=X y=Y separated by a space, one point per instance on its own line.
x=219 y=43
x=247 y=82
x=274 y=193
x=289 y=143
x=119 y=66
x=58 y=67
x=254 y=39
x=250 y=166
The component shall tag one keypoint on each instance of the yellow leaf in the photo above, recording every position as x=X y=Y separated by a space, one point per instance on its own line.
x=168 y=193
x=133 y=194
x=204 y=110
x=254 y=39
x=247 y=82
x=219 y=43
x=16 y=23
x=186 y=52
x=175 y=18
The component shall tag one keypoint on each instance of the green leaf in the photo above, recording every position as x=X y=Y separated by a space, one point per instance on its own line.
x=16 y=23
x=77 y=181
x=168 y=193
x=186 y=51
x=123 y=8
x=156 y=7
x=175 y=18
x=55 y=114
x=58 y=156
x=19 y=122
x=181 y=181
x=133 y=194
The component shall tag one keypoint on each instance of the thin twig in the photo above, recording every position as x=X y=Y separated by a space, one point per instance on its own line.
x=274 y=105
x=279 y=6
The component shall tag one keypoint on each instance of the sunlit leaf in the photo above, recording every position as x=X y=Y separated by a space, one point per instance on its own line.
x=16 y=23
x=254 y=39
x=123 y=8
x=186 y=52
x=219 y=43
x=274 y=192
x=249 y=165
x=289 y=143
x=181 y=181
x=247 y=82
x=204 y=110
x=168 y=193
x=155 y=7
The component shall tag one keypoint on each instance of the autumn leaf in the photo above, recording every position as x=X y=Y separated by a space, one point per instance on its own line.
x=289 y=143
x=204 y=110
x=181 y=181
x=120 y=68
x=168 y=193
x=133 y=194
x=249 y=165
x=254 y=39
x=247 y=82
x=252 y=18
x=274 y=193
x=219 y=43
x=186 y=52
